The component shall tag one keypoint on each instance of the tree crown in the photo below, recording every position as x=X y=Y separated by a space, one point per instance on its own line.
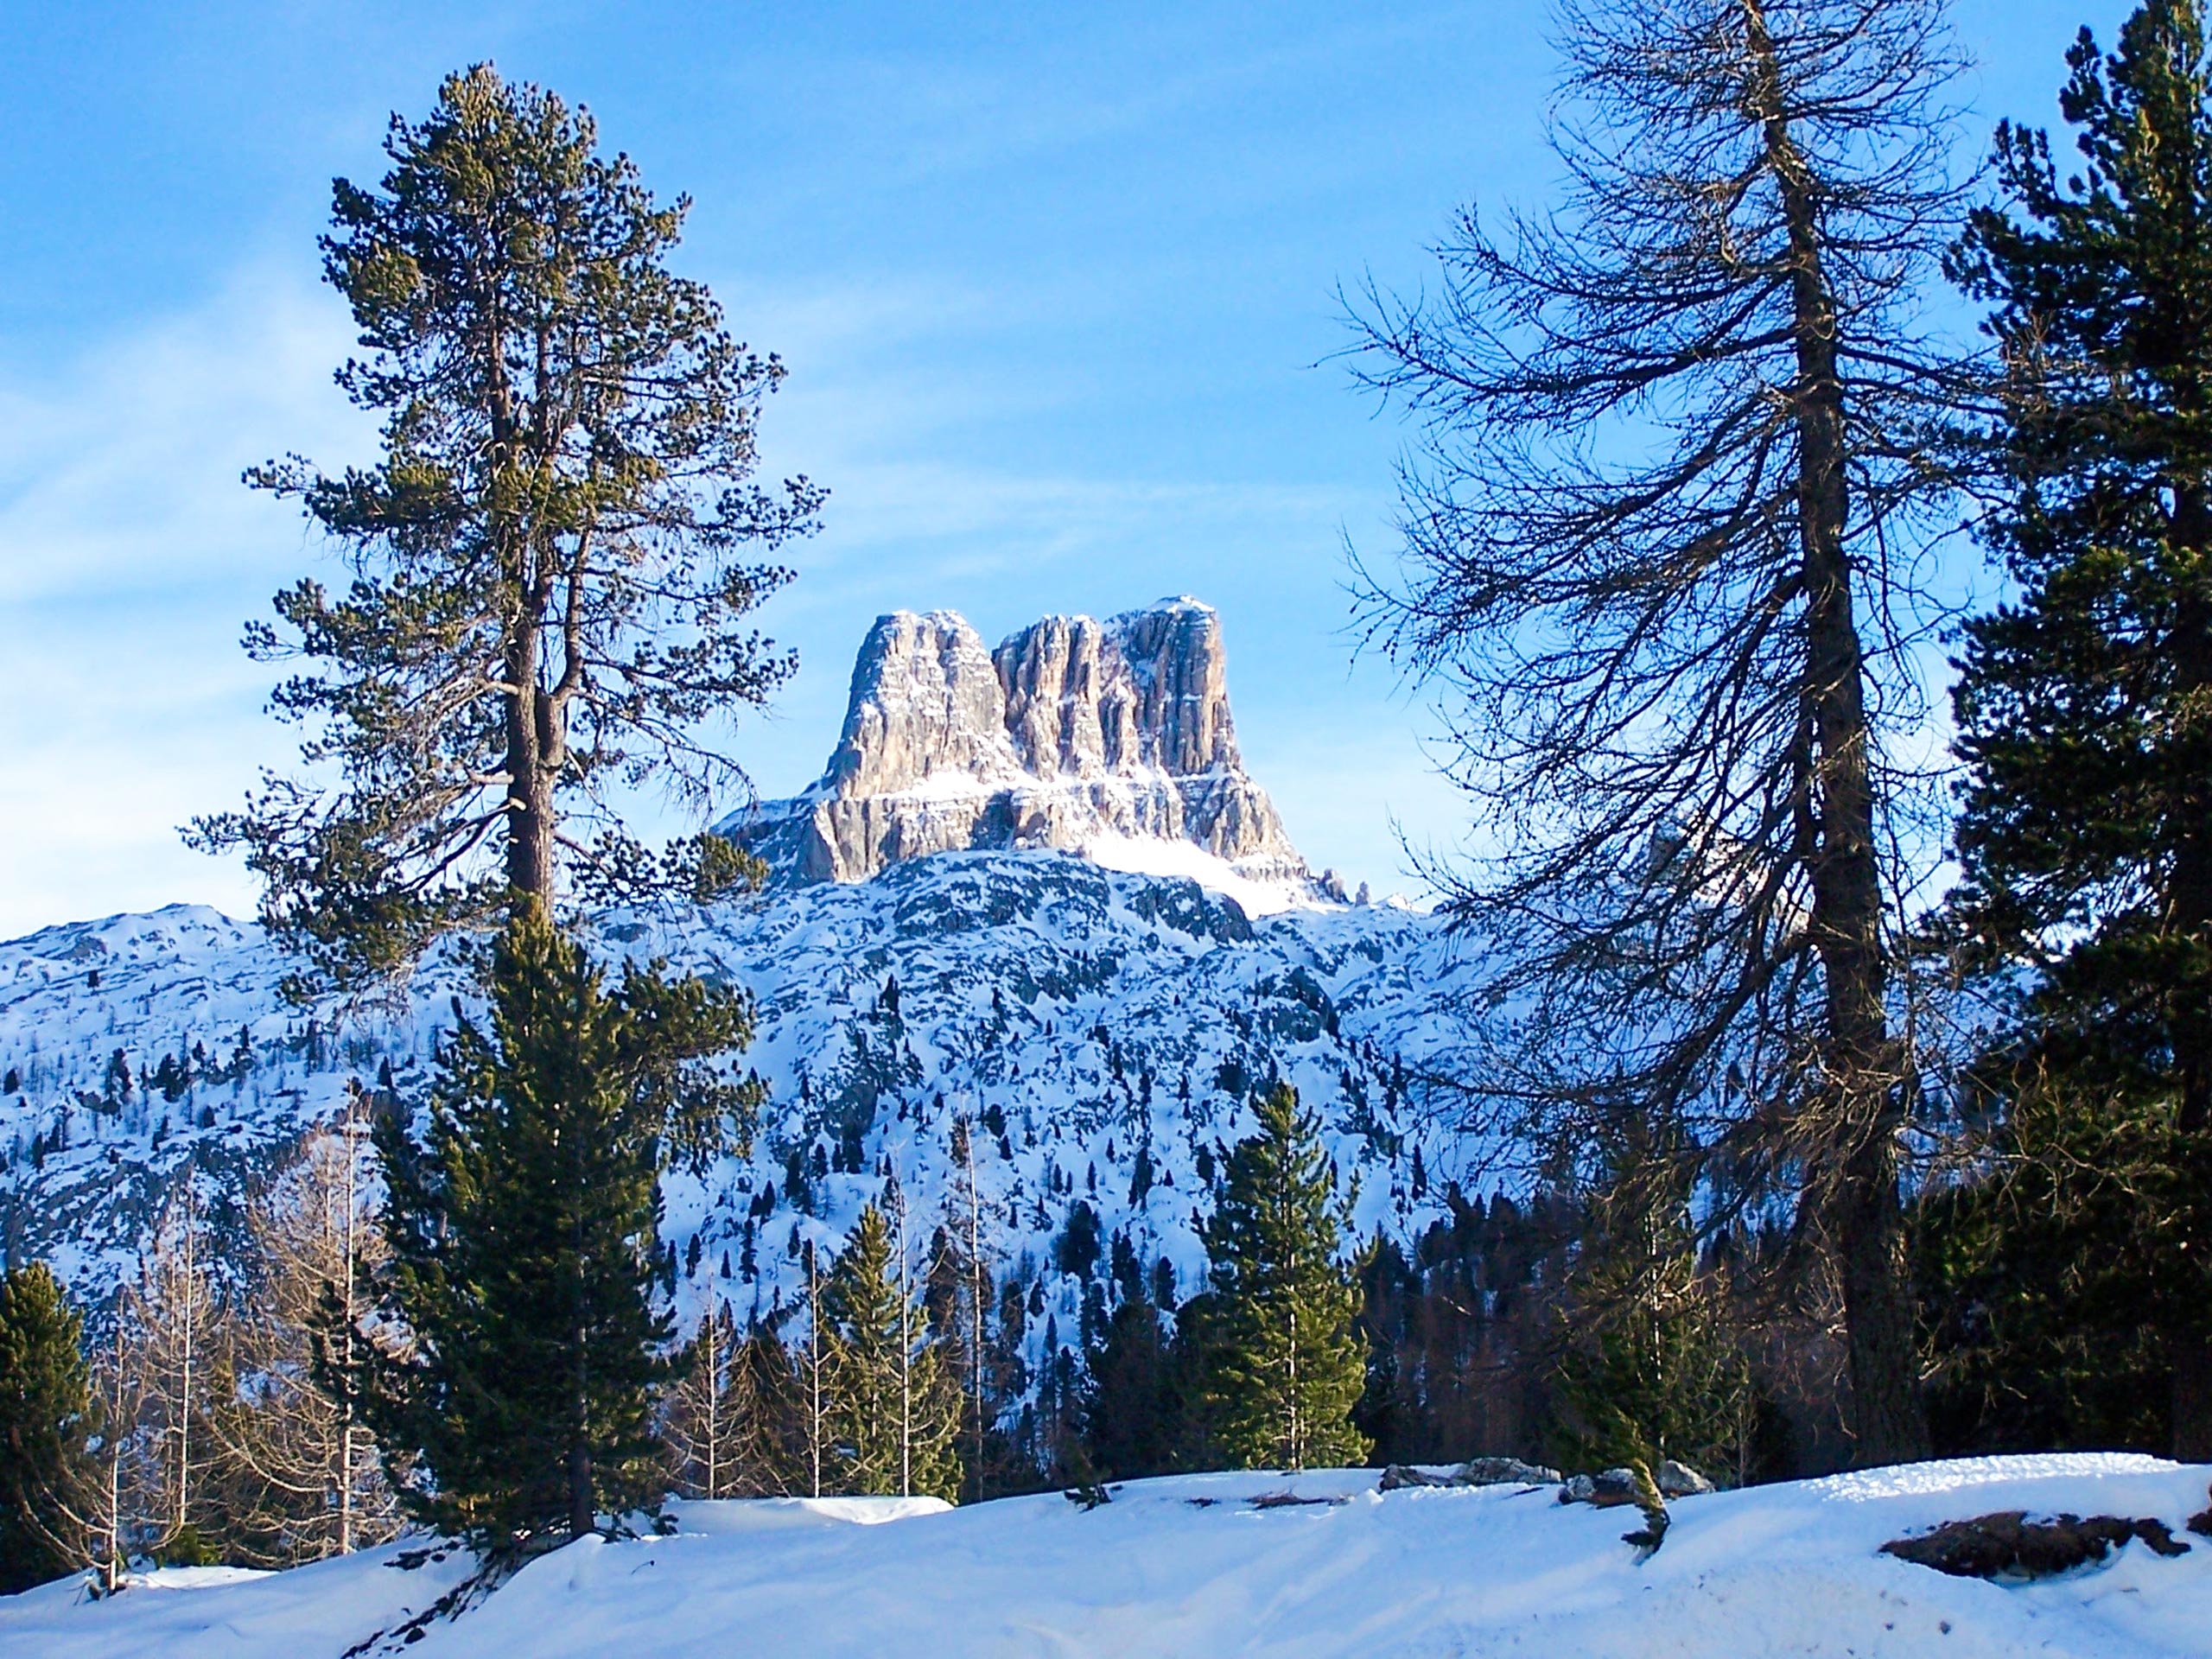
x=548 y=581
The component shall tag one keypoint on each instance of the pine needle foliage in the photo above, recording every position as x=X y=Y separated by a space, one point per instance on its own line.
x=2085 y=707
x=894 y=1406
x=1655 y=1365
x=524 y=1244
x=1288 y=1366
x=549 y=556
x=46 y=1418
x=2057 y=1282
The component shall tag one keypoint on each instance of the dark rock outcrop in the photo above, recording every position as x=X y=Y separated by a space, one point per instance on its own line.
x=1073 y=730
x=1476 y=1471
x=2008 y=1545
x=1607 y=1489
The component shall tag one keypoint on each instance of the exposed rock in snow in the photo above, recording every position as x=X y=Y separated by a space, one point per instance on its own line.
x=2009 y=1545
x=1680 y=1480
x=1476 y=1471
x=1606 y=1489
x=1072 y=734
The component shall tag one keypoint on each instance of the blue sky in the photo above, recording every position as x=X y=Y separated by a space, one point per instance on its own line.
x=1055 y=284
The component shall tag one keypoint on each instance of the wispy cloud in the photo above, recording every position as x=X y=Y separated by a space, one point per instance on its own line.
x=129 y=556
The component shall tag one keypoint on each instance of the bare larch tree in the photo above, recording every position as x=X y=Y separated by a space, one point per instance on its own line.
x=1667 y=534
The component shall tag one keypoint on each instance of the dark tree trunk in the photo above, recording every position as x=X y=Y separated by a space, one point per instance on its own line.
x=583 y=1514
x=530 y=778
x=2189 y=1020
x=2192 y=1396
x=1862 y=1111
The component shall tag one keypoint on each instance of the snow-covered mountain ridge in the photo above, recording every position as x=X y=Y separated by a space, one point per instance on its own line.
x=1034 y=886
x=1102 y=1027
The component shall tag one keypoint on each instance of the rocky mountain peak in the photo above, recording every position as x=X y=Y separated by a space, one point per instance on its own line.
x=1147 y=689
x=925 y=703
x=1071 y=734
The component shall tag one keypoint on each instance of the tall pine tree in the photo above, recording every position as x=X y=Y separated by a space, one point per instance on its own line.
x=554 y=558
x=893 y=1406
x=46 y=1416
x=524 y=1252
x=2085 y=707
x=550 y=584
x=1289 y=1367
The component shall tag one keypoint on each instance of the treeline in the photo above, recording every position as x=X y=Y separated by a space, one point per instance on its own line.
x=220 y=1415
x=173 y=1093
x=418 y=1359
x=192 y=1426
x=1696 y=455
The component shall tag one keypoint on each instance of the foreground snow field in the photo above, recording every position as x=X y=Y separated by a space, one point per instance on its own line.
x=1188 y=1565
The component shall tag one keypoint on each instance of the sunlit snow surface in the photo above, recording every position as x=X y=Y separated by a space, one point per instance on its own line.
x=1861 y=1486
x=1154 y=855
x=1188 y=1567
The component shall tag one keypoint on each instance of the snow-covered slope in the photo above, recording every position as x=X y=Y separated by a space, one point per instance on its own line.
x=1110 y=1022
x=1187 y=1566
x=1082 y=926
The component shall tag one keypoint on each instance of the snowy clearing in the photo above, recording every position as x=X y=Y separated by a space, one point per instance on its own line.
x=1188 y=1565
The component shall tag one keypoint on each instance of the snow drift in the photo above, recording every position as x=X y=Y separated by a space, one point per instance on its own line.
x=1190 y=1566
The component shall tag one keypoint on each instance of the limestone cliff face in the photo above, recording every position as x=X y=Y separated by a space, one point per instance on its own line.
x=926 y=704
x=1071 y=731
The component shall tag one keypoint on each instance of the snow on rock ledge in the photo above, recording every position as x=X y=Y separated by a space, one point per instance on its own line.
x=1074 y=734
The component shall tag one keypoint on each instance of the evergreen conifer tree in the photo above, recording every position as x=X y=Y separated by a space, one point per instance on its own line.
x=1137 y=1415
x=549 y=588
x=2085 y=707
x=1654 y=1367
x=2054 y=1283
x=893 y=1407
x=46 y=1415
x=523 y=1246
x=1289 y=1366
x=772 y=1451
